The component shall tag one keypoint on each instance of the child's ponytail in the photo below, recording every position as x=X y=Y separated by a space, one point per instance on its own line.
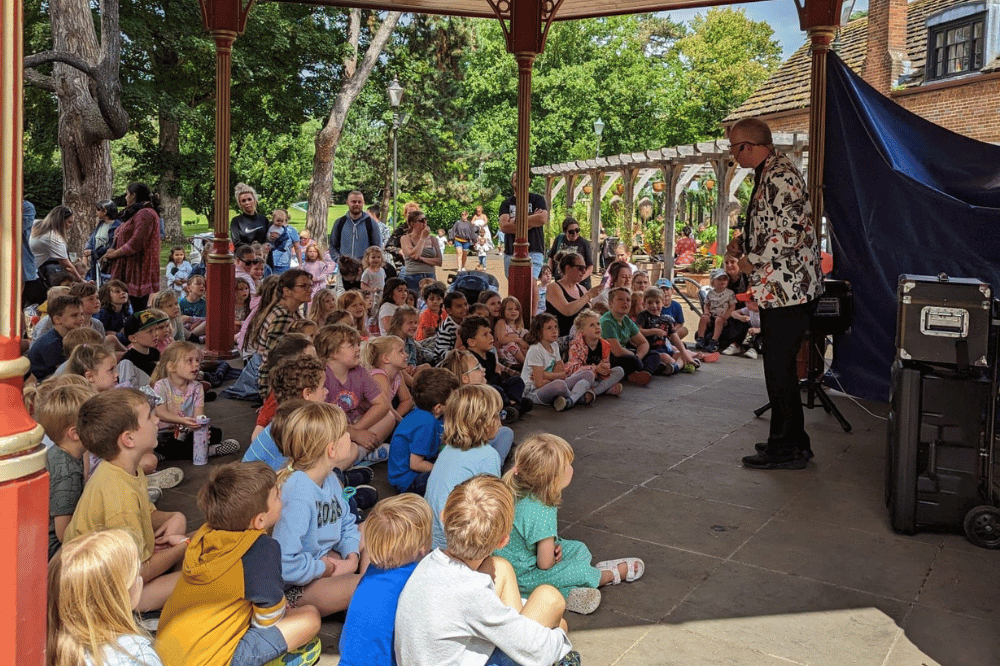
x=85 y=358
x=377 y=347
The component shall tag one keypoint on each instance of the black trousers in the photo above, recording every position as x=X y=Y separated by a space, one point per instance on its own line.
x=783 y=330
x=632 y=363
x=172 y=448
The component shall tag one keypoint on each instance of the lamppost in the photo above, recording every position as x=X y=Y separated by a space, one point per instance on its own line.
x=599 y=131
x=395 y=97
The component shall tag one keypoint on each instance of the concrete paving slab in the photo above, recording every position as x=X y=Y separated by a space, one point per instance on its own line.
x=952 y=639
x=700 y=526
x=805 y=621
x=605 y=646
x=677 y=646
x=905 y=653
x=832 y=502
x=728 y=481
x=587 y=493
x=887 y=566
x=964 y=583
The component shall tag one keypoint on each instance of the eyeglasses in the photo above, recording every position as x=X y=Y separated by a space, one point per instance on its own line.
x=573 y=231
x=478 y=368
x=739 y=146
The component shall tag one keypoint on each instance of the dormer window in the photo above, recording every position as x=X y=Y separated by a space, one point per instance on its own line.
x=957 y=39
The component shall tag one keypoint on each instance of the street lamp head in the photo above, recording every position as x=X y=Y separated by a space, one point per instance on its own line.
x=395 y=93
x=599 y=127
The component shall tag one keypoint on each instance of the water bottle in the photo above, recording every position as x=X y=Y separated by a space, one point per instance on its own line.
x=201 y=441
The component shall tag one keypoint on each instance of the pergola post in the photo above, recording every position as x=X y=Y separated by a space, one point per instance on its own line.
x=24 y=483
x=629 y=202
x=671 y=174
x=595 y=215
x=720 y=166
x=570 y=194
x=224 y=20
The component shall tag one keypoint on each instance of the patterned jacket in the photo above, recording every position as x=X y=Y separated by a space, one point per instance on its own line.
x=781 y=241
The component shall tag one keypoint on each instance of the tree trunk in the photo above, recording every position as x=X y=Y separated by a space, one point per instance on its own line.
x=170 y=200
x=85 y=82
x=355 y=77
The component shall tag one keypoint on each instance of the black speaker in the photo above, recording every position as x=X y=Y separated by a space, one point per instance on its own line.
x=834 y=310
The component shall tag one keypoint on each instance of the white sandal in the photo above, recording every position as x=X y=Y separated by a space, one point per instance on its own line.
x=634 y=572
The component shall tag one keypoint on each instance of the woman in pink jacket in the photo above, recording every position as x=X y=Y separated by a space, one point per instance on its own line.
x=135 y=258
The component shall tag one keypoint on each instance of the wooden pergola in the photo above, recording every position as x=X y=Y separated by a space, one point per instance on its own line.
x=674 y=167
x=23 y=479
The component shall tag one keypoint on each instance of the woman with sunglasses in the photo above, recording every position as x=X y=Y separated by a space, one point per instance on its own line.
x=571 y=239
x=421 y=252
x=569 y=297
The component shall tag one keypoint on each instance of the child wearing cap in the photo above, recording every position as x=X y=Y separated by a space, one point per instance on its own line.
x=672 y=308
x=719 y=305
x=139 y=362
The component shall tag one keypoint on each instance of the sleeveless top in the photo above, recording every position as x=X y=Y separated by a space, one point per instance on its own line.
x=417 y=267
x=565 y=321
x=396 y=381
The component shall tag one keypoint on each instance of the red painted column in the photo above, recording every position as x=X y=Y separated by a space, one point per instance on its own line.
x=24 y=483
x=220 y=264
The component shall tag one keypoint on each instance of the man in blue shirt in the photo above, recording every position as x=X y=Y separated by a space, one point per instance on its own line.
x=355 y=232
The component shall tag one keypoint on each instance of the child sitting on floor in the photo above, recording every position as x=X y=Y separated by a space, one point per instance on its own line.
x=661 y=334
x=672 y=308
x=397 y=536
x=78 y=337
x=417 y=439
x=404 y=326
x=509 y=333
x=466 y=367
x=476 y=334
x=545 y=378
x=320 y=542
x=350 y=387
x=47 y=353
x=543 y=468
x=720 y=302
x=461 y=605
x=193 y=304
x=94 y=587
x=119 y=426
x=115 y=306
x=385 y=359
x=229 y=605
x=139 y=362
x=433 y=314
x=589 y=351
x=354 y=302
x=178 y=271
x=471 y=420
x=457 y=307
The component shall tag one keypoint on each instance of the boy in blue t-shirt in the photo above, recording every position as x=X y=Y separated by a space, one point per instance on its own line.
x=398 y=535
x=417 y=439
x=672 y=308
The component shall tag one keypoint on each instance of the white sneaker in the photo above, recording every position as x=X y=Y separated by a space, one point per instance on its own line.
x=165 y=478
x=731 y=350
x=750 y=353
x=561 y=404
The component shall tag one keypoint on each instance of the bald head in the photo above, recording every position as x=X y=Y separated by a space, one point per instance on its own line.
x=753 y=130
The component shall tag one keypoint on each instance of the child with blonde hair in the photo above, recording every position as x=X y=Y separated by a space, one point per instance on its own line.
x=321 y=550
x=462 y=606
x=386 y=361
x=96 y=363
x=509 y=333
x=469 y=370
x=404 y=325
x=354 y=302
x=471 y=420
x=397 y=536
x=589 y=351
x=338 y=316
x=74 y=339
x=546 y=380
x=229 y=606
x=323 y=303
x=306 y=327
x=351 y=387
x=373 y=277
x=94 y=587
x=175 y=382
x=543 y=468
x=166 y=301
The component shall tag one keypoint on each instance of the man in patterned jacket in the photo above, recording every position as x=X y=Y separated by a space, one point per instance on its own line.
x=779 y=250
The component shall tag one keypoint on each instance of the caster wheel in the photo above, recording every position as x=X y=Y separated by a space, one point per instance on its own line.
x=982 y=526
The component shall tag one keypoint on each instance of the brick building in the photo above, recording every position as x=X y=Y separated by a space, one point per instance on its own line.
x=939 y=59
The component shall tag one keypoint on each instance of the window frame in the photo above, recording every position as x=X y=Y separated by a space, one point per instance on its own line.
x=931 y=63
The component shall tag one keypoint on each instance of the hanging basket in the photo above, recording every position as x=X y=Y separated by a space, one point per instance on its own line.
x=587 y=189
x=620 y=189
x=659 y=186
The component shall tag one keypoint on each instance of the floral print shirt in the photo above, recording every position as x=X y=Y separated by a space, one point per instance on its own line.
x=780 y=239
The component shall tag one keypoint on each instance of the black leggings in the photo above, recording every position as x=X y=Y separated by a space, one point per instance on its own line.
x=631 y=363
x=172 y=448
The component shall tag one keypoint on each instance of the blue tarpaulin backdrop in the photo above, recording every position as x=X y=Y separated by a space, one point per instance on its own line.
x=903 y=196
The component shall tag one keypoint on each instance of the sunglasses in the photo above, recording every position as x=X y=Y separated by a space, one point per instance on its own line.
x=573 y=231
x=740 y=146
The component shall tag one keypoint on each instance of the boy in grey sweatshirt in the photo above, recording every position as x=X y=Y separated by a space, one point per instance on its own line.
x=461 y=607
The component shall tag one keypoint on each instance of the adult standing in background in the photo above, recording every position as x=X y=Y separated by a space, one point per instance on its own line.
x=375 y=212
x=464 y=235
x=354 y=232
x=538 y=216
x=102 y=238
x=421 y=252
x=570 y=239
x=48 y=244
x=249 y=226
x=779 y=250
x=135 y=257
x=480 y=221
x=33 y=290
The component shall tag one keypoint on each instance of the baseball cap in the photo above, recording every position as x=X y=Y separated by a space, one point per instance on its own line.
x=718 y=273
x=141 y=321
x=664 y=283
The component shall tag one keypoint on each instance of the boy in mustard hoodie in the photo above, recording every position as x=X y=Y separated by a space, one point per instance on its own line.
x=229 y=605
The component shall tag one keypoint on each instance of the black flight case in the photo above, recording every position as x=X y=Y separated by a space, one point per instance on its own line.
x=942 y=431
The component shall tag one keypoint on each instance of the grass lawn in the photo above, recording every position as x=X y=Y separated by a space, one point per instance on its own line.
x=201 y=224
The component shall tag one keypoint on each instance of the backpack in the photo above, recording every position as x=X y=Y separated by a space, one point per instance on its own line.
x=471 y=283
x=339 y=228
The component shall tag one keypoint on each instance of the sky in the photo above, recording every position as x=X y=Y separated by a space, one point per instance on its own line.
x=780 y=14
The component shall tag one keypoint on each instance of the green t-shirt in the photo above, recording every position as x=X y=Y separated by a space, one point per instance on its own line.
x=623 y=331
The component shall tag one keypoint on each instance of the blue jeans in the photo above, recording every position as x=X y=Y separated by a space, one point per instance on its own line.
x=413 y=281
x=503 y=442
x=537 y=260
x=500 y=658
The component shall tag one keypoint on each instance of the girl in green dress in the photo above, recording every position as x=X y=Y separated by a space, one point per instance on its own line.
x=543 y=468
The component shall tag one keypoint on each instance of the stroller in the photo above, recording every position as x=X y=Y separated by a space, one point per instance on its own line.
x=201 y=245
x=473 y=283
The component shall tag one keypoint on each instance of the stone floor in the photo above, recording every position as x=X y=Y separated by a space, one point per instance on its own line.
x=742 y=566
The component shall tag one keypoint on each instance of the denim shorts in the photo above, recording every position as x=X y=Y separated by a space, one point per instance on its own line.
x=537 y=261
x=259 y=646
x=465 y=245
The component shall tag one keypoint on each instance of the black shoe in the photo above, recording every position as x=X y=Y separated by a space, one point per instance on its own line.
x=365 y=496
x=358 y=476
x=807 y=453
x=509 y=416
x=768 y=461
x=527 y=404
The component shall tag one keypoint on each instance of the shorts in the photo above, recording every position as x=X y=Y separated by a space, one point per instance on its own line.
x=463 y=244
x=259 y=646
x=537 y=261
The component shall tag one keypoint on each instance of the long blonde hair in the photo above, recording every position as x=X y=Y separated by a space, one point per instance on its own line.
x=539 y=462
x=307 y=432
x=376 y=347
x=90 y=582
x=174 y=352
x=471 y=416
x=316 y=311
